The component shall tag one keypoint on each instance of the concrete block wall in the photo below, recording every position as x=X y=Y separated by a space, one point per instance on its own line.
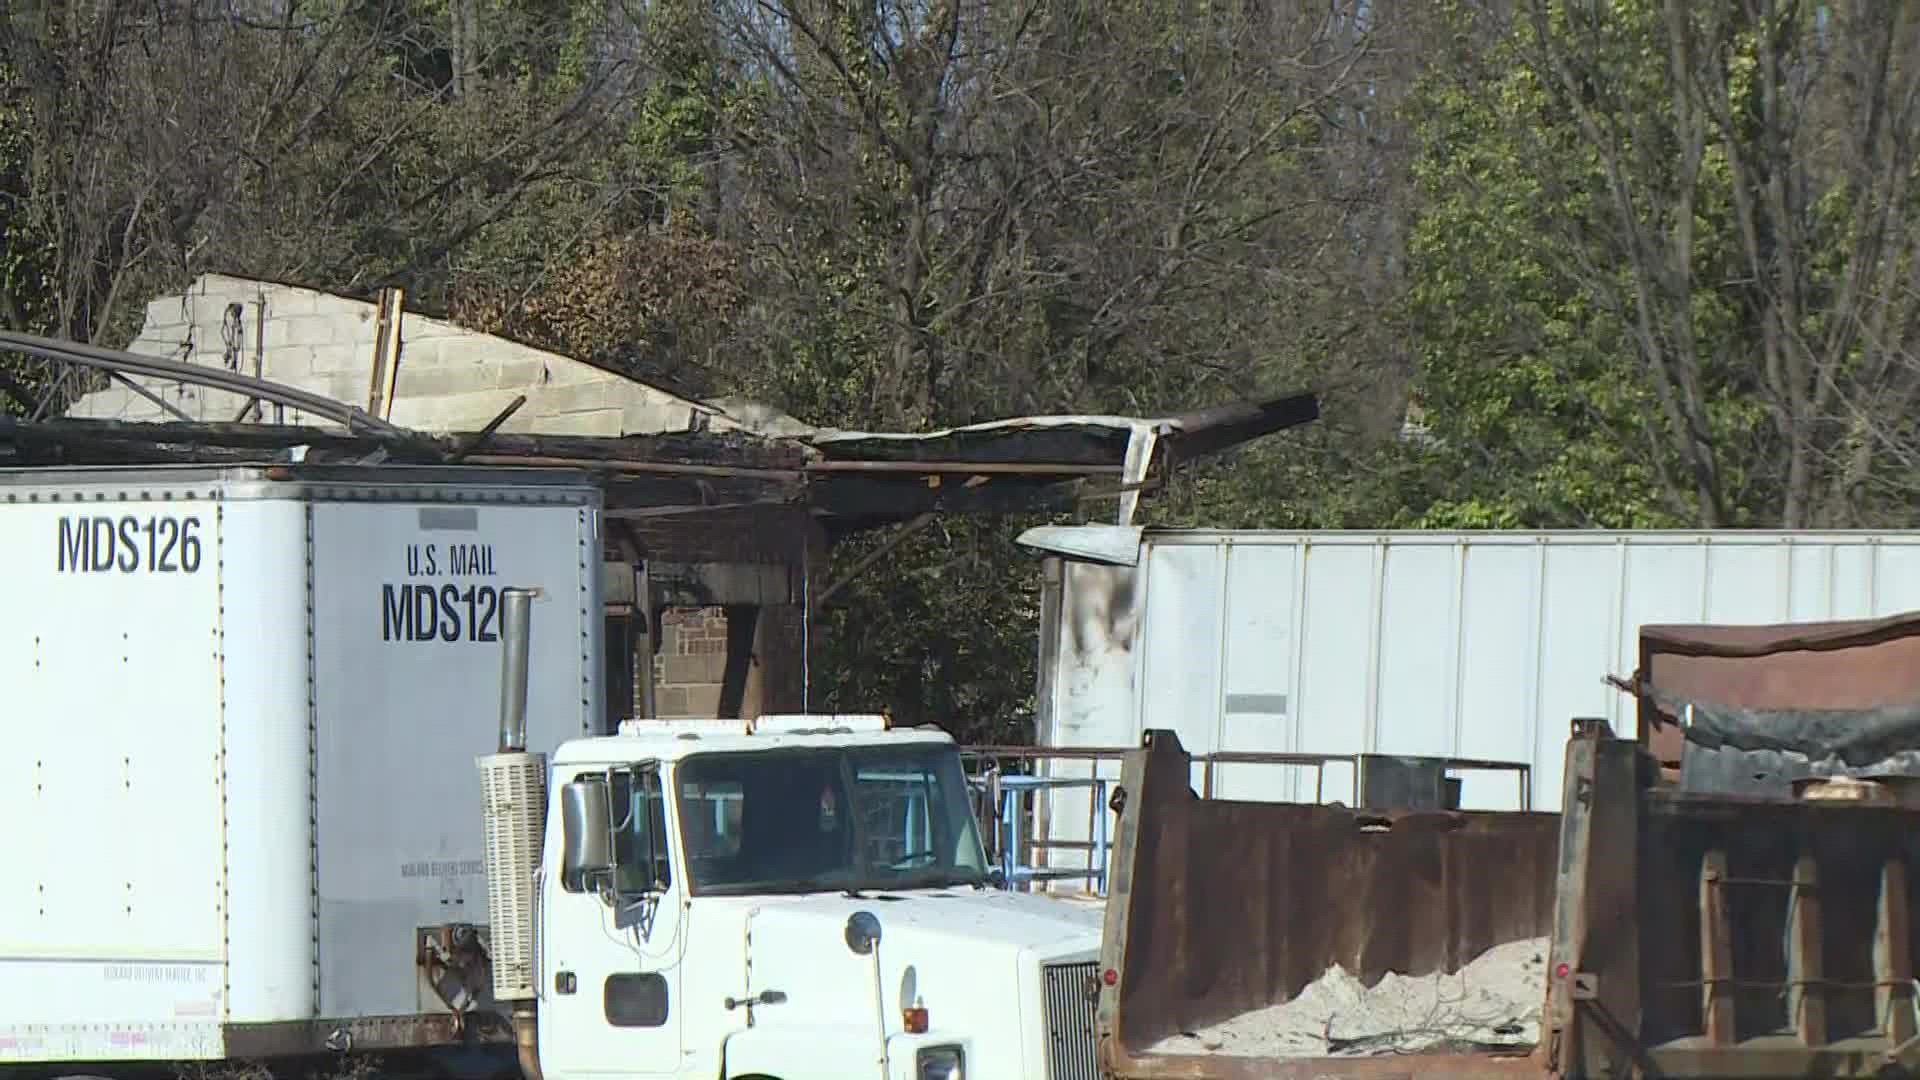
x=692 y=662
x=449 y=378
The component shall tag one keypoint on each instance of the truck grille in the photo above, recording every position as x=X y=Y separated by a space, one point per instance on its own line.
x=1071 y=1000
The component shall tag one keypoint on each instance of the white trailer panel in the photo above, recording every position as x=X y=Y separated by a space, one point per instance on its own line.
x=407 y=667
x=242 y=707
x=111 y=901
x=1475 y=644
x=264 y=582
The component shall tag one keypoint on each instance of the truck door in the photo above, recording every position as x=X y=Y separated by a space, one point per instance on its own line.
x=611 y=949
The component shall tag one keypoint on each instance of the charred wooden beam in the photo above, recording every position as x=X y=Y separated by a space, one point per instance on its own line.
x=695 y=469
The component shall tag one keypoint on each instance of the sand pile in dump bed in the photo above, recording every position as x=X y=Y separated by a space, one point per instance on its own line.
x=1493 y=1002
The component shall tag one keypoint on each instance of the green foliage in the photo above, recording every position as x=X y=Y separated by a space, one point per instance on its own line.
x=942 y=630
x=1533 y=385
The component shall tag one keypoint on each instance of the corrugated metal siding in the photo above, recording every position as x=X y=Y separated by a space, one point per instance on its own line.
x=1478 y=645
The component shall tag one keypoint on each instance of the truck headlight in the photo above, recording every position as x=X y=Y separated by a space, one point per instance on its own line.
x=940 y=1063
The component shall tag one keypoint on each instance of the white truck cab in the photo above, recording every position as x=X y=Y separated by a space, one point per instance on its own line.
x=794 y=898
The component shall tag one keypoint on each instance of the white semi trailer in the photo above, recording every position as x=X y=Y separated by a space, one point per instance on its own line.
x=238 y=705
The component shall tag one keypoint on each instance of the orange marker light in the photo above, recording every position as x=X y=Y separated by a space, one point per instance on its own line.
x=915 y=1018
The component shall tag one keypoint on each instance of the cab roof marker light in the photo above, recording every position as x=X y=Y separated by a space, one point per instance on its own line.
x=771 y=725
x=787 y=724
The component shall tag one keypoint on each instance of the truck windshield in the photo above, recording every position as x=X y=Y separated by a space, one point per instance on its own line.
x=828 y=820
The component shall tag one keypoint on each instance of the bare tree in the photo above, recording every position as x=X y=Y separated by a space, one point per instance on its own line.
x=304 y=143
x=1035 y=206
x=1793 y=129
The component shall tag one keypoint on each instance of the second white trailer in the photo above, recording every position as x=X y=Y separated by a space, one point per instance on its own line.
x=1474 y=644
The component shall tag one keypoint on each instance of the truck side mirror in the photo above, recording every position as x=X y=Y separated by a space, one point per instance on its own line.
x=862 y=933
x=586 y=822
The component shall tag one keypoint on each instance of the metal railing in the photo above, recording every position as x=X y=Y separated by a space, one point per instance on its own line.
x=1017 y=827
x=1013 y=832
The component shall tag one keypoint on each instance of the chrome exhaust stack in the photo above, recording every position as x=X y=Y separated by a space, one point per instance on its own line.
x=516 y=645
x=513 y=788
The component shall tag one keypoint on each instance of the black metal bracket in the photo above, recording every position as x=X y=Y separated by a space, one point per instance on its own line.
x=764 y=997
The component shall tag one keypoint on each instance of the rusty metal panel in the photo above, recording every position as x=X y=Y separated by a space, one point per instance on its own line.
x=1844 y=665
x=1765 y=853
x=300 y=1038
x=1596 y=915
x=1218 y=908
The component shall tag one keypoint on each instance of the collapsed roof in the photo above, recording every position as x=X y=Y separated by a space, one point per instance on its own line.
x=865 y=477
x=677 y=489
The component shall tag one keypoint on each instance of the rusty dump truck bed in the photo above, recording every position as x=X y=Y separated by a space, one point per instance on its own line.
x=1710 y=930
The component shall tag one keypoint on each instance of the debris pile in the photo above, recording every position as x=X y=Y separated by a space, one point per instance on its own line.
x=1491 y=1004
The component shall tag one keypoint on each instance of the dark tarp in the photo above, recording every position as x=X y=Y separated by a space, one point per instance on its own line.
x=1758 y=707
